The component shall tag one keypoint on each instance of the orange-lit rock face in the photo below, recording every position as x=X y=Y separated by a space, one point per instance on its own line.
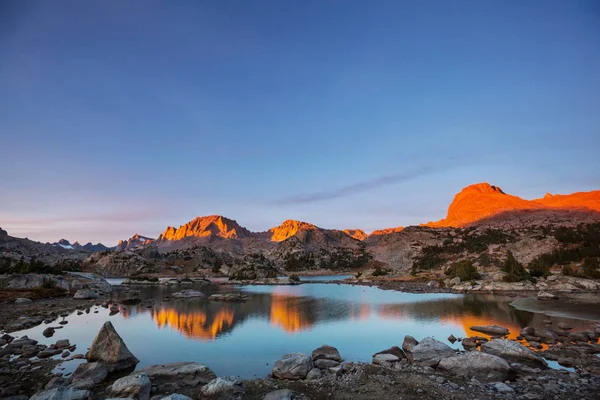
x=483 y=200
x=285 y=312
x=288 y=229
x=194 y=324
x=358 y=234
x=386 y=231
x=212 y=225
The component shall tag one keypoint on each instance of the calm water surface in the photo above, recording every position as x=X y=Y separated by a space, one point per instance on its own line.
x=247 y=338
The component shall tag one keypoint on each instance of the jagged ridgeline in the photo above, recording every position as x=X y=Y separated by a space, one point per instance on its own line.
x=483 y=229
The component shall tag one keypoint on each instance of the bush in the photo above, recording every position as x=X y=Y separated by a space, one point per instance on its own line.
x=515 y=272
x=48 y=284
x=568 y=271
x=539 y=268
x=379 y=272
x=591 y=268
x=464 y=269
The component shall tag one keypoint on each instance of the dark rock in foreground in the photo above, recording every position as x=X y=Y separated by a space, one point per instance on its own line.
x=109 y=348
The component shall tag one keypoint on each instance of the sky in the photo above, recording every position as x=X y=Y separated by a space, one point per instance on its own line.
x=129 y=116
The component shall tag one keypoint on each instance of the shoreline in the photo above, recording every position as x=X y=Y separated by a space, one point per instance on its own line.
x=409 y=381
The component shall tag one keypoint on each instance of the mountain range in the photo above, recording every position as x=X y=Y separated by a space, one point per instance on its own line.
x=480 y=203
x=480 y=215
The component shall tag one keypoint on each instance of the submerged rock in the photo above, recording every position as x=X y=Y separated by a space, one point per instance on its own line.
x=493 y=330
x=546 y=296
x=109 y=348
x=235 y=297
x=293 y=366
x=22 y=300
x=188 y=294
x=475 y=364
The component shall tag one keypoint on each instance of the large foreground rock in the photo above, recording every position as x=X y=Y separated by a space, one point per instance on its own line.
x=109 y=348
x=481 y=366
x=185 y=374
x=429 y=352
x=493 y=330
x=62 y=393
x=409 y=343
x=135 y=386
x=293 y=366
x=513 y=352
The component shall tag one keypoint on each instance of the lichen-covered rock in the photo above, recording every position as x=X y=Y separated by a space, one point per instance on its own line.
x=230 y=387
x=293 y=366
x=513 y=352
x=478 y=365
x=136 y=386
x=430 y=351
x=186 y=374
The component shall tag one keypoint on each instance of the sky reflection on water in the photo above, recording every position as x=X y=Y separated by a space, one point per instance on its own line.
x=247 y=338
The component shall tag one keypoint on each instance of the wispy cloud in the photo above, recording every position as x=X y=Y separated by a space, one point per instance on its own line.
x=359 y=187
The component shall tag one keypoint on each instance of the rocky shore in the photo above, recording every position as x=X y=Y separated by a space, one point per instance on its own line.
x=425 y=369
x=488 y=366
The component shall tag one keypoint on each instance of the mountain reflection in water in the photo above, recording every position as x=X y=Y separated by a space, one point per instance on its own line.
x=300 y=308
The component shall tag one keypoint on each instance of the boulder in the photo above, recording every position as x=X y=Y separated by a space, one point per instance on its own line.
x=429 y=352
x=186 y=374
x=478 y=365
x=394 y=350
x=62 y=344
x=62 y=393
x=324 y=364
x=527 y=331
x=109 y=348
x=136 y=386
x=176 y=396
x=281 y=394
x=313 y=374
x=493 y=330
x=409 y=343
x=546 y=335
x=564 y=326
x=513 y=352
x=22 y=300
x=46 y=353
x=546 y=296
x=93 y=373
x=454 y=281
x=85 y=294
x=293 y=366
x=227 y=387
x=326 y=352
x=382 y=359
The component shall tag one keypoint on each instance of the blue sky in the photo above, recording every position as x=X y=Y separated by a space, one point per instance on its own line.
x=128 y=116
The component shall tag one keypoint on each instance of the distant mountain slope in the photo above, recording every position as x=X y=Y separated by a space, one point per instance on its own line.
x=65 y=244
x=134 y=241
x=483 y=201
